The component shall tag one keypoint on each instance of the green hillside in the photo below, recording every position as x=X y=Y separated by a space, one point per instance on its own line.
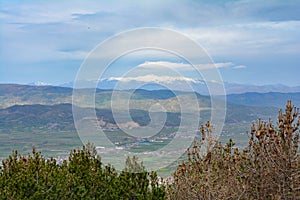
x=42 y=116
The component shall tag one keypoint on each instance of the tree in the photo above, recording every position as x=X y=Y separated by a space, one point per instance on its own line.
x=82 y=176
x=132 y=165
x=274 y=159
x=268 y=168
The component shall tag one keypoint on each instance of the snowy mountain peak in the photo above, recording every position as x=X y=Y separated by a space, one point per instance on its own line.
x=38 y=83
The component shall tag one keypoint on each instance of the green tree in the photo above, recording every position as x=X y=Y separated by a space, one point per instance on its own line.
x=132 y=165
x=82 y=176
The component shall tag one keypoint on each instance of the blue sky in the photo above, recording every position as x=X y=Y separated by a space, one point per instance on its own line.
x=251 y=41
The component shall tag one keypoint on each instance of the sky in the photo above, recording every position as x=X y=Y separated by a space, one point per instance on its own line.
x=250 y=41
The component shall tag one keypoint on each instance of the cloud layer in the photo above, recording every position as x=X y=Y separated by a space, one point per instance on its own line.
x=158 y=65
x=38 y=35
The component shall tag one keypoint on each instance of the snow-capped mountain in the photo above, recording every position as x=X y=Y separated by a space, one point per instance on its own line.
x=153 y=82
x=38 y=83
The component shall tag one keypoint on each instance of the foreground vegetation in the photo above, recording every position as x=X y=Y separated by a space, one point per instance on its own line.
x=268 y=168
x=82 y=177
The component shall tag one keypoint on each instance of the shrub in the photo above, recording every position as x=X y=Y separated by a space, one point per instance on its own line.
x=268 y=168
x=81 y=177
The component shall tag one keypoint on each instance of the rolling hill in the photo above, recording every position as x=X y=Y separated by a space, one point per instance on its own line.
x=42 y=115
x=275 y=99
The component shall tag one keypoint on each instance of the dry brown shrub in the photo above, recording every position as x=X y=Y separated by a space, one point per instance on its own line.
x=268 y=168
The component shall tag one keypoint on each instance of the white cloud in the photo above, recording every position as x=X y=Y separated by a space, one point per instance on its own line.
x=183 y=66
x=73 y=55
x=253 y=38
x=164 y=64
x=83 y=25
x=215 y=65
x=239 y=67
x=153 y=78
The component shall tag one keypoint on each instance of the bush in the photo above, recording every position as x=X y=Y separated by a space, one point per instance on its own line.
x=269 y=168
x=81 y=177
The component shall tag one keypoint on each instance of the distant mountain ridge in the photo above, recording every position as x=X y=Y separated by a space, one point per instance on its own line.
x=13 y=94
x=274 y=99
x=243 y=107
x=198 y=86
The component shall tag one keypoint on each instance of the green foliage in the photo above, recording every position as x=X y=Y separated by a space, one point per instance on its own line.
x=133 y=166
x=81 y=177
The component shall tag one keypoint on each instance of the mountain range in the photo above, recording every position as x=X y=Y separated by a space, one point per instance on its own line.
x=42 y=115
x=40 y=105
x=198 y=86
x=14 y=94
